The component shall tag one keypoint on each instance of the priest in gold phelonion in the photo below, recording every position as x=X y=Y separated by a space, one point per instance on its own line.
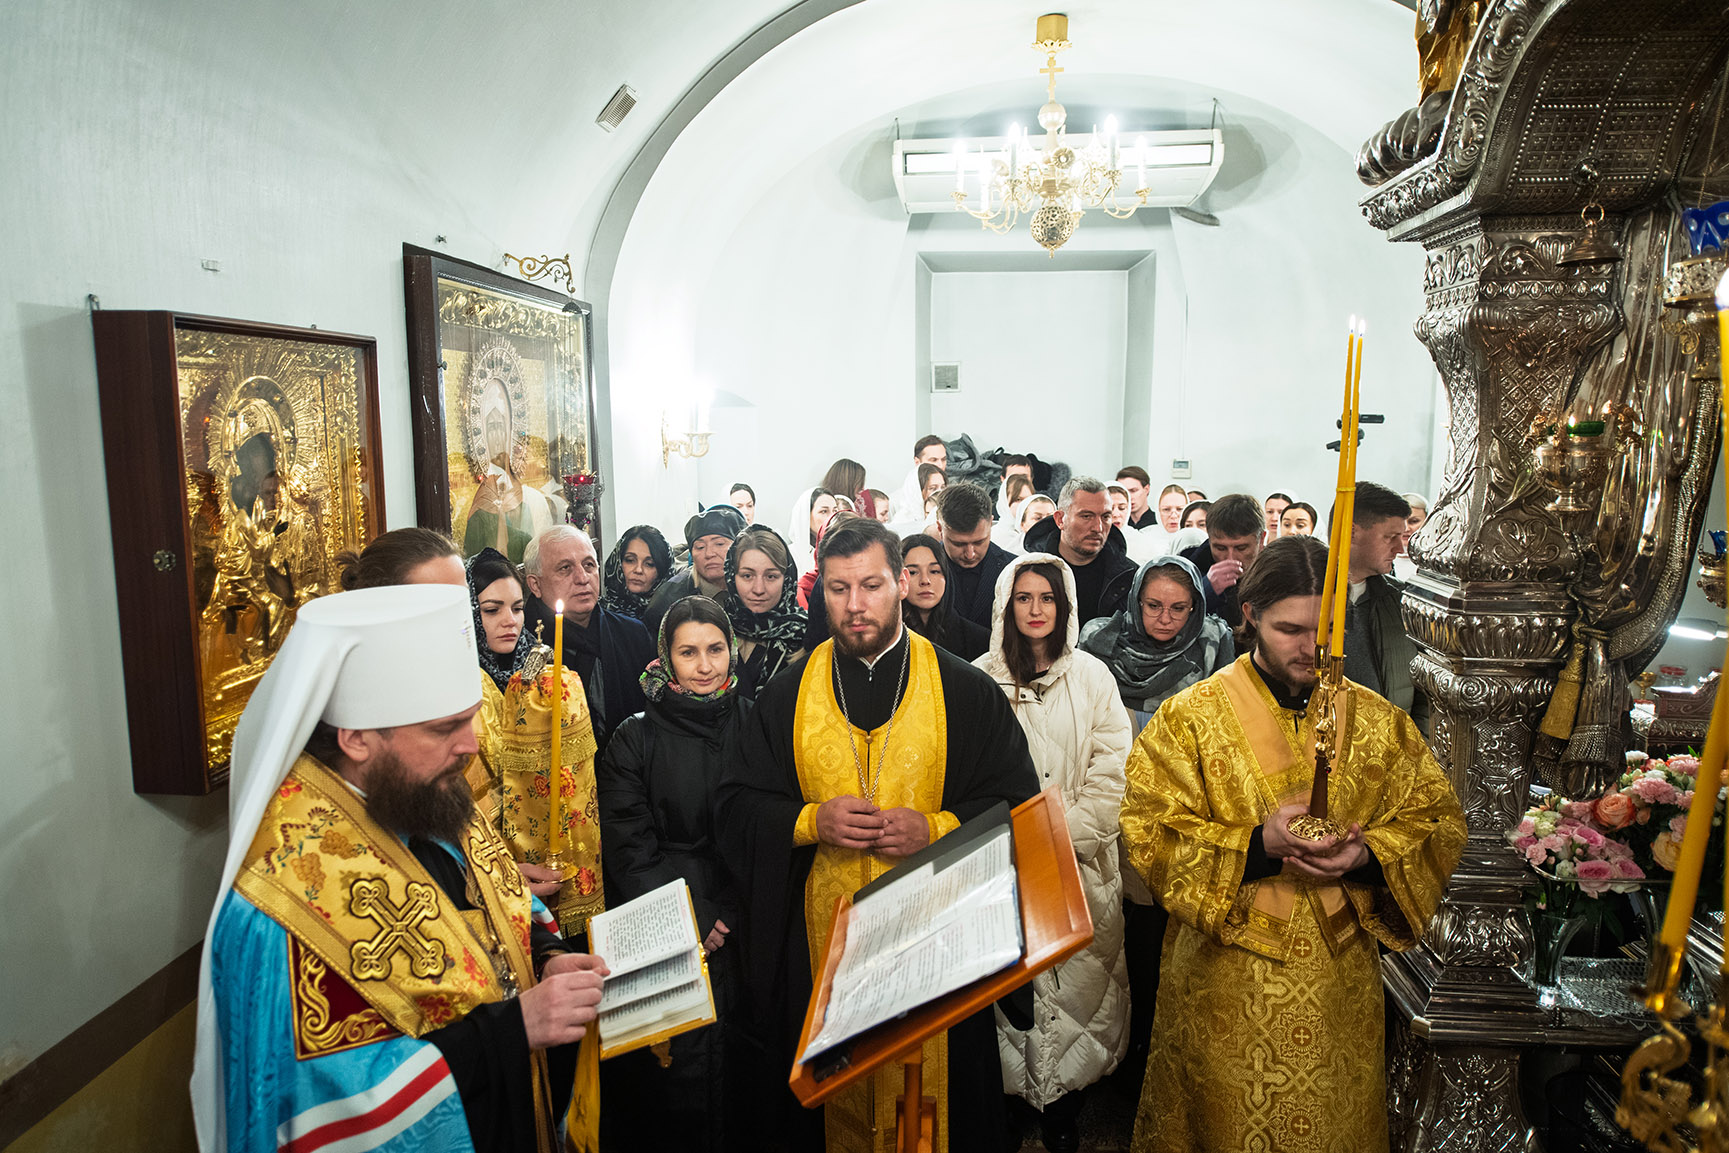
x=373 y=974
x=1269 y=1024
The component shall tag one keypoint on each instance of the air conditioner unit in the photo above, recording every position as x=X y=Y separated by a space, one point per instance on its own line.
x=946 y=377
x=1179 y=167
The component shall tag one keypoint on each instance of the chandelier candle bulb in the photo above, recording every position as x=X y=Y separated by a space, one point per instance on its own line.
x=960 y=168
x=1141 y=163
x=1111 y=140
x=555 y=778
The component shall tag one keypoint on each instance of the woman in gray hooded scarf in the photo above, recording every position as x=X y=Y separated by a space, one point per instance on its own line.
x=1161 y=643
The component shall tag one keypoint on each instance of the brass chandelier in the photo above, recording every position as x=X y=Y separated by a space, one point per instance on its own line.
x=1058 y=180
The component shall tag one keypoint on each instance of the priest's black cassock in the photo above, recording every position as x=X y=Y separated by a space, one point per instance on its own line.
x=759 y=803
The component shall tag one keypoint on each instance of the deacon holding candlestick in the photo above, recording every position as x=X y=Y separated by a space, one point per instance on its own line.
x=539 y=744
x=1293 y=823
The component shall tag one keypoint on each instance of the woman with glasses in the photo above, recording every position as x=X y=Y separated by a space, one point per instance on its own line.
x=1162 y=643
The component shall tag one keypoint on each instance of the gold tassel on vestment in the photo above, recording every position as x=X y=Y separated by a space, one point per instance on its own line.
x=1564 y=703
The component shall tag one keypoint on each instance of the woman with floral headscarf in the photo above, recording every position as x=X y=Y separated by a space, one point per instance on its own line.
x=657 y=783
x=637 y=565
x=761 y=601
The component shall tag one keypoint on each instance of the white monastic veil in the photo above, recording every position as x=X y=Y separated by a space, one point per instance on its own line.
x=290 y=698
x=272 y=731
x=798 y=532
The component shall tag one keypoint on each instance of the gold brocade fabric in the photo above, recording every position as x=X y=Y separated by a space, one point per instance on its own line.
x=511 y=783
x=862 y=1119
x=1250 y=1053
x=1268 y=1030
x=354 y=897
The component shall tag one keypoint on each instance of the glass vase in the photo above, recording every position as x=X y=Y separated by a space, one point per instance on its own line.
x=1554 y=932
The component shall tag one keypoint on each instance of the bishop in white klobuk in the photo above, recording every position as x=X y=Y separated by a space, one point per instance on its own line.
x=372 y=970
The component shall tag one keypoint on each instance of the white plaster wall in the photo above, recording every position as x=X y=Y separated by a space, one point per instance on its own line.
x=1012 y=382
x=299 y=145
x=795 y=290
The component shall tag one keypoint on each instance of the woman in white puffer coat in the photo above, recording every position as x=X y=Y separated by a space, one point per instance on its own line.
x=1067 y=702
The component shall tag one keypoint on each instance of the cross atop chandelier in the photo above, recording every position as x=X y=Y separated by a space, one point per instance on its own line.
x=1058 y=180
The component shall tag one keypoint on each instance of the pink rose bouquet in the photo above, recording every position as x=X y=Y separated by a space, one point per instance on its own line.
x=1647 y=807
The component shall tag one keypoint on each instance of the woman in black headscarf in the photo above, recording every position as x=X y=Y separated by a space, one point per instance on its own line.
x=495 y=593
x=927 y=609
x=761 y=601
x=657 y=780
x=639 y=564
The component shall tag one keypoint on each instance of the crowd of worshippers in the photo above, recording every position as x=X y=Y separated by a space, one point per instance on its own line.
x=777 y=719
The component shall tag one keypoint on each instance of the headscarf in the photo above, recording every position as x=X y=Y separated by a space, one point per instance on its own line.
x=657 y=678
x=797 y=534
x=616 y=595
x=783 y=625
x=715 y=520
x=497 y=666
x=1150 y=671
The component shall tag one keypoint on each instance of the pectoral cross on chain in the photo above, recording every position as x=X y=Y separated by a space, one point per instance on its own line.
x=399 y=929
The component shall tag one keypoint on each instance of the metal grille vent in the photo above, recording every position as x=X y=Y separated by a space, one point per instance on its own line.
x=945 y=377
x=617 y=108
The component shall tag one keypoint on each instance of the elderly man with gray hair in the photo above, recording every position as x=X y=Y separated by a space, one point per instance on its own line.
x=1082 y=534
x=608 y=651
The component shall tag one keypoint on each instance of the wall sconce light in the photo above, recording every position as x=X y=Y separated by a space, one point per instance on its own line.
x=689 y=445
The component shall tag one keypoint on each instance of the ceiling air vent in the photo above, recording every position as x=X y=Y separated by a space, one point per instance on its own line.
x=945 y=377
x=617 y=108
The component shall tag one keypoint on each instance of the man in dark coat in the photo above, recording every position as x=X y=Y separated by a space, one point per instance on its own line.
x=1378 y=650
x=1082 y=534
x=794 y=825
x=1236 y=532
x=964 y=527
x=607 y=650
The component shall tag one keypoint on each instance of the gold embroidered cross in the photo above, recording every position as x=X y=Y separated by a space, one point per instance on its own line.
x=493 y=855
x=398 y=929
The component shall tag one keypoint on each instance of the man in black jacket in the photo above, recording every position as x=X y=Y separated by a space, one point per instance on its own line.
x=1378 y=650
x=1082 y=534
x=607 y=650
x=964 y=527
x=1236 y=531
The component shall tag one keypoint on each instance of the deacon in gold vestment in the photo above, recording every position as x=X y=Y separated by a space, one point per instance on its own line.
x=1269 y=1032
x=512 y=785
x=873 y=747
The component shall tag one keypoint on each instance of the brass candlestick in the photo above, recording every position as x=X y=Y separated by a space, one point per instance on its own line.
x=1315 y=824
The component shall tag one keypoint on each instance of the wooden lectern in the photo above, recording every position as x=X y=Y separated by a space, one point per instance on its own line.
x=1055 y=924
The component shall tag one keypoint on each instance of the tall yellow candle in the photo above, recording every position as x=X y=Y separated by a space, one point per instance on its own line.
x=1324 y=627
x=1691 y=860
x=1345 y=503
x=555 y=777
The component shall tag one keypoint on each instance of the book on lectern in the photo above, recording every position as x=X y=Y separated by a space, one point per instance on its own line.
x=942 y=919
x=658 y=987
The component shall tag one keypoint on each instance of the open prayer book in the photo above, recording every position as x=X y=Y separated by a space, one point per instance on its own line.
x=945 y=918
x=659 y=983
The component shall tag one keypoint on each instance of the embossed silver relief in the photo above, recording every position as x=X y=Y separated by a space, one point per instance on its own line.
x=1470 y=1104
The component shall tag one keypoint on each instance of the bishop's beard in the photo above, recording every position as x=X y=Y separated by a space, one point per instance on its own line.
x=439 y=809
